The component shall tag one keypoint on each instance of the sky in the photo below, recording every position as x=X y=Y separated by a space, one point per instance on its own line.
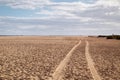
x=59 y=17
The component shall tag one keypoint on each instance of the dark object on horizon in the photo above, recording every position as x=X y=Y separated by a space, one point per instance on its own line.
x=111 y=36
x=102 y=36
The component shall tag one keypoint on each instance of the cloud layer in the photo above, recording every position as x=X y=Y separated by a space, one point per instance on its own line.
x=62 y=18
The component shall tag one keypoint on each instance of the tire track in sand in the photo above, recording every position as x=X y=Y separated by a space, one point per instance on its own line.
x=58 y=74
x=91 y=63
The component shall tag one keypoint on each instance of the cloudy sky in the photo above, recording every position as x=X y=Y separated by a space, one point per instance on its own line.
x=59 y=17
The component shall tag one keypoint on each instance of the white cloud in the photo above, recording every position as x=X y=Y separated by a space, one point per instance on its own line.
x=110 y=13
x=25 y=4
x=25 y=27
x=101 y=16
x=101 y=9
x=108 y=3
